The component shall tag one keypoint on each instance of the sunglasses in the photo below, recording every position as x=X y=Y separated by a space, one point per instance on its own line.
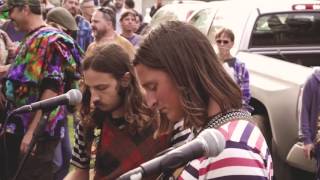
x=107 y=10
x=222 y=41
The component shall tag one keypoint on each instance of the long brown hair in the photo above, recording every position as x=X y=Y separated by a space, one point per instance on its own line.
x=188 y=57
x=111 y=58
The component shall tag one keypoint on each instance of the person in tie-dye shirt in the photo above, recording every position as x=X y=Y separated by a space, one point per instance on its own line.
x=47 y=63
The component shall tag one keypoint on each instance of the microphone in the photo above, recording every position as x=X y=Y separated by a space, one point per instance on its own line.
x=209 y=143
x=72 y=97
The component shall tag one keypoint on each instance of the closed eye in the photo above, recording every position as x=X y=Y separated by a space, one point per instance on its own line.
x=150 y=87
x=101 y=87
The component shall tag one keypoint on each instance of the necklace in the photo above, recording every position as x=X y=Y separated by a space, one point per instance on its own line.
x=222 y=118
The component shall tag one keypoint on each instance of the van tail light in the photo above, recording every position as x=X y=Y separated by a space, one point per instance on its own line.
x=306 y=6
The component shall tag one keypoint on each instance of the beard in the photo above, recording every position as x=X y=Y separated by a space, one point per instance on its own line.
x=17 y=26
x=98 y=34
x=73 y=11
x=109 y=108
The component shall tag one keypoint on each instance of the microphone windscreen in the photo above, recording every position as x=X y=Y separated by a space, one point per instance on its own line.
x=75 y=96
x=214 y=141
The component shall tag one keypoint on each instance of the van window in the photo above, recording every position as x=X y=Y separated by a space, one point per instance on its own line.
x=162 y=16
x=289 y=29
x=203 y=19
x=225 y=17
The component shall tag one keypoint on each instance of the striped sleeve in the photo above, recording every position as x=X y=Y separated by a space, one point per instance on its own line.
x=180 y=135
x=246 y=156
x=80 y=157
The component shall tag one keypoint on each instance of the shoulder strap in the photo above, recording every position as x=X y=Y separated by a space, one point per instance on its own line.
x=222 y=118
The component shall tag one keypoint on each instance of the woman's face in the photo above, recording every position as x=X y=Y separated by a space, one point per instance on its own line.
x=161 y=92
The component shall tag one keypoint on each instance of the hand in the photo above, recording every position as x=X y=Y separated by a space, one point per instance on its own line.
x=10 y=45
x=25 y=143
x=4 y=69
x=307 y=149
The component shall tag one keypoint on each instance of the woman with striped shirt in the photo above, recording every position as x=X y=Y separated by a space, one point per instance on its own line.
x=183 y=79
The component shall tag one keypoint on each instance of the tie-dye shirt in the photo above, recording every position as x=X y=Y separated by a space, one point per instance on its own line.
x=46 y=58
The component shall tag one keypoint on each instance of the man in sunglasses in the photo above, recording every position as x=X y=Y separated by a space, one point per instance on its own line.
x=224 y=42
x=46 y=64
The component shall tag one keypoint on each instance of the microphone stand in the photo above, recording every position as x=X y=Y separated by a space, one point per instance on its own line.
x=36 y=134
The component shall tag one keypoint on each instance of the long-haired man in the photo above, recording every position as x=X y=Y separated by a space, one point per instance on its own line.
x=114 y=111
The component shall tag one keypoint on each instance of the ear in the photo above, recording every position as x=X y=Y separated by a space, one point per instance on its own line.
x=231 y=44
x=125 y=80
x=26 y=9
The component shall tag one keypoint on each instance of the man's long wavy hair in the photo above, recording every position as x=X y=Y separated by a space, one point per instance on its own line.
x=112 y=59
x=187 y=56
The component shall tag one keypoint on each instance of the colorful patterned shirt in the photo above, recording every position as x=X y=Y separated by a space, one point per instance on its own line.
x=246 y=156
x=46 y=59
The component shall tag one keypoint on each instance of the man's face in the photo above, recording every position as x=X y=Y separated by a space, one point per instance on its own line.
x=161 y=92
x=128 y=23
x=72 y=6
x=87 y=9
x=118 y=4
x=104 y=90
x=99 y=24
x=17 y=14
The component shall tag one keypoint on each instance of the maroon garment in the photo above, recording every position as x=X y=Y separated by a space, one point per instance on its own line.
x=119 y=151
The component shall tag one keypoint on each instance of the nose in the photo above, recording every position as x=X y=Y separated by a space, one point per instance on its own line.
x=74 y=5
x=94 y=96
x=151 y=100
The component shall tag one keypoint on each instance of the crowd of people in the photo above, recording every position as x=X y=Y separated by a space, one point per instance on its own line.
x=143 y=94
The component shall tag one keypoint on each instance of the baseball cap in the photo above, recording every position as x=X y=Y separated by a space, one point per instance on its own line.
x=62 y=17
x=11 y=3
